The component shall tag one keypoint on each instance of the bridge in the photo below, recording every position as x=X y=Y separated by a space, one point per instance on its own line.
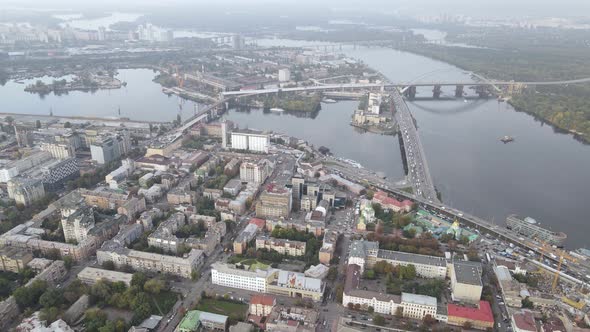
x=417 y=166
x=408 y=88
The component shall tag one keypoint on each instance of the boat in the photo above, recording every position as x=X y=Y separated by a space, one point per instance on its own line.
x=329 y=101
x=507 y=139
x=530 y=228
x=277 y=110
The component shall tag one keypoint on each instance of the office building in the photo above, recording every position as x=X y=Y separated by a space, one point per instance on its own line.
x=16 y=167
x=91 y=276
x=466 y=284
x=228 y=276
x=256 y=172
x=56 y=174
x=418 y=306
x=250 y=140
x=274 y=202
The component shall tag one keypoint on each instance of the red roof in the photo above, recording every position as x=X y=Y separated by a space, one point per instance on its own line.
x=482 y=314
x=525 y=320
x=262 y=299
x=383 y=199
x=260 y=223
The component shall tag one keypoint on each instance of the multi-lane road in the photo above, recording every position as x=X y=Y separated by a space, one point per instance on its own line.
x=418 y=172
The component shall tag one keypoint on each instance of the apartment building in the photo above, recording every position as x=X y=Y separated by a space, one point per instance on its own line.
x=284 y=247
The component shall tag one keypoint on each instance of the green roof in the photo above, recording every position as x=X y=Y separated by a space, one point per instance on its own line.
x=190 y=322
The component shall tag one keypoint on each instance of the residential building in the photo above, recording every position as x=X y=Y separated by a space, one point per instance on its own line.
x=14 y=259
x=233 y=187
x=328 y=247
x=274 y=202
x=77 y=223
x=480 y=317
x=59 y=150
x=262 y=305
x=25 y=191
x=284 y=75
x=282 y=246
x=241 y=241
x=150 y=262
x=466 y=284
x=91 y=276
x=164 y=236
x=250 y=140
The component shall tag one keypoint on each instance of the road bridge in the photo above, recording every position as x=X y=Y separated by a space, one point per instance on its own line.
x=406 y=87
x=417 y=166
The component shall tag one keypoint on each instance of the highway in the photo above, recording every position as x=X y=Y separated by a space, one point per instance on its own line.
x=394 y=85
x=418 y=171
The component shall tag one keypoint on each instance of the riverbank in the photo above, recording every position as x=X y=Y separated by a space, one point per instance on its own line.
x=565 y=109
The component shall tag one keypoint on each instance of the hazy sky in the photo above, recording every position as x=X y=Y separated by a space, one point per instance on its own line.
x=480 y=8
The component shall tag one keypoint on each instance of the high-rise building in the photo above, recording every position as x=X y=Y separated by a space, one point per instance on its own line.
x=256 y=172
x=284 y=75
x=76 y=223
x=24 y=136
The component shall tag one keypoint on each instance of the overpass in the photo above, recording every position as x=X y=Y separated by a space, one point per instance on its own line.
x=406 y=87
x=417 y=166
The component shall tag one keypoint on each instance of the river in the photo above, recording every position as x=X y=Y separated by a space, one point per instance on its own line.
x=542 y=174
x=141 y=99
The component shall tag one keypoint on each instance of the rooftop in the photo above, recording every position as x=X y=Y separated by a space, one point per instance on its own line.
x=482 y=313
x=262 y=299
x=412 y=258
x=468 y=272
x=419 y=299
x=524 y=320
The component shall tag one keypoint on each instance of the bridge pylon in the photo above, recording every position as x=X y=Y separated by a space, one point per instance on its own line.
x=410 y=92
x=459 y=91
x=436 y=91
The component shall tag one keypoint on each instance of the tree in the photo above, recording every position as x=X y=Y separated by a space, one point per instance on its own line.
x=370 y=309
x=68 y=262
x=332 y=273
x=108 y=265
x=467 y=325
x=339 y=293
x=49 y=314
x=378 y=320
x=527 y=303
x=94 y=320
x=350 y=305
x=369 y=195
x=399 y=312
x=67 y=124
x=138 y=279
x=28 y=297
x=357 y=306
x=38 y=124
x=51 y=298
x=428 y=320
x=154 y=286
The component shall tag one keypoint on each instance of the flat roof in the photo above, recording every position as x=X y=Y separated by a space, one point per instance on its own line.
x=412 y=258
x=468 y=272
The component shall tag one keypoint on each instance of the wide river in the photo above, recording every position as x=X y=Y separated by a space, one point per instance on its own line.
x=541 y=174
